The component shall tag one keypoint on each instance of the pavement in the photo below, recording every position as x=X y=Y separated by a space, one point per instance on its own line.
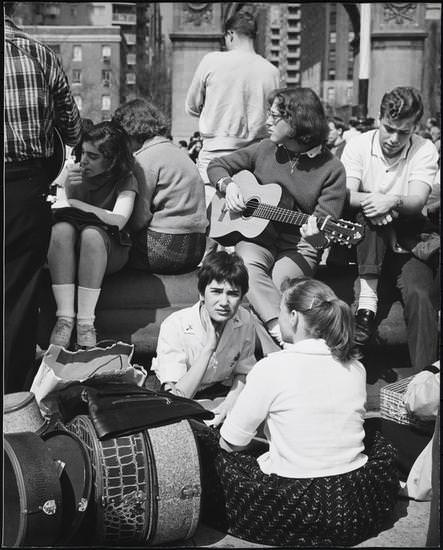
x=407 y=528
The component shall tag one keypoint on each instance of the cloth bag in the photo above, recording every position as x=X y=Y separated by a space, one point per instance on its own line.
x=60 y=368
x=419 y=483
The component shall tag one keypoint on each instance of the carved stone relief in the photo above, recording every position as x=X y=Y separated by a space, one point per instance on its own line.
x=198 y=13
x=400 y=12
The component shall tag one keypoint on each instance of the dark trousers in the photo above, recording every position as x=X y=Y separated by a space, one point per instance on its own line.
x=27 y=232
x=417 y=281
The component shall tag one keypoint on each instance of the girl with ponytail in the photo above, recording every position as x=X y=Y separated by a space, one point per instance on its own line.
x=322 y=481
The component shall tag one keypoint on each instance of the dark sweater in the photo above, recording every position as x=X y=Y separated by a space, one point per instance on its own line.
x=317 y=185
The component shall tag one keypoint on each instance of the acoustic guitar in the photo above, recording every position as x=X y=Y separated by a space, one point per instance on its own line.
x=262 y=206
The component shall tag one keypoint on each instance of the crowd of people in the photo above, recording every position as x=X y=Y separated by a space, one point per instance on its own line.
x=132 y=197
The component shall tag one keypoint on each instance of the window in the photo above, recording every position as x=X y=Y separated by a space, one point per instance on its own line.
x=349 y=94
x=333 y=16
x=332 y=57
x=331 y=74
x=130 y=39
x=351 y=36
x=130 y=78
x=78 y=101
x=331 y=95
x=76 y=53
x=130 y=58
x=106 y=103
x=106 y=53
x=76 y=76
x=350 y=73
x=332 y=37
x=98 y=10
x=106 y=77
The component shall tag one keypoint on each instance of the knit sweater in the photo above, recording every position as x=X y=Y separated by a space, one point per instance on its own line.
x=171 y=192
x=229 y=93
x=313 y=407
x=317 y=185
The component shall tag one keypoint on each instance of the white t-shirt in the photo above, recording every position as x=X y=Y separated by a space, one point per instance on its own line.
x=363 y=159
x=313 y=407
x=229 y=93
x=181 y=341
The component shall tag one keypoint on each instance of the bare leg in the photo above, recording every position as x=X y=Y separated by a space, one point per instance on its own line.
x=93 y=259
x=61 y=254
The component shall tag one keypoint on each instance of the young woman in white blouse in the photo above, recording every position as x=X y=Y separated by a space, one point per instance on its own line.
x=321 y=482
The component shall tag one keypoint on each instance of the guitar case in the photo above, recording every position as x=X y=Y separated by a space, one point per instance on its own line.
x=75 y=479
x=146 y=486
x=32 y=492
x=22 y=414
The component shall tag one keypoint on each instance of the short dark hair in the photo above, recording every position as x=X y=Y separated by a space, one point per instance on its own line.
x=402 y=102
x=338 y=122
x=113 y=142
x=141 y=120
x=242 y=23
x=302 y=109
x=86 y=124
x=222 y=266
x=353 y=121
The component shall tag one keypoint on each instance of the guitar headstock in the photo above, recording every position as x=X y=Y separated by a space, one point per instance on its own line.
x=343 y=232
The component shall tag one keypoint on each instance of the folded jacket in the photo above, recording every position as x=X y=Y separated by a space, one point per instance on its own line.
x=121 y=409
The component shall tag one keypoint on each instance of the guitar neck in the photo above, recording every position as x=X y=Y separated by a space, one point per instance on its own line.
x=277 y=214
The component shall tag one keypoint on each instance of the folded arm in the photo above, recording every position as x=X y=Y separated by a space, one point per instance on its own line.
x=118 y=216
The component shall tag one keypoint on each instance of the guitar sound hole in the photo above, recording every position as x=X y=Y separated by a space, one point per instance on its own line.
x=251 y=207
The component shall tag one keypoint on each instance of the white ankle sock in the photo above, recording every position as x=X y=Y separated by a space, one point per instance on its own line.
x=368 y=298
x=86 y=301
x=64 y=298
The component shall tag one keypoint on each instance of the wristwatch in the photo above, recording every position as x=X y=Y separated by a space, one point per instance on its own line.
x=222 y=183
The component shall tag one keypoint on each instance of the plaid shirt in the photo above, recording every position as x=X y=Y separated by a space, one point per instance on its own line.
x=36 y=97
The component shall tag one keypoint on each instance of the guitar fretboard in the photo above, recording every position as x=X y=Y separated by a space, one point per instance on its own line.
x=277 y=214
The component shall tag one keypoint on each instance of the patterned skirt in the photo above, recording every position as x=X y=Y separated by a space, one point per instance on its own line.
x=167 y=253
x=340 y=510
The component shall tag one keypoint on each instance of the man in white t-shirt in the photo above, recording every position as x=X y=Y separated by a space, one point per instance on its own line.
x=229 y=93
x=390 y=172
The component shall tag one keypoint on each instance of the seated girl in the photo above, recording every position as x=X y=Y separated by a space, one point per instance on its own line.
x=210 y=346
x=322 y=482
x=169 y=221
x=89 y=237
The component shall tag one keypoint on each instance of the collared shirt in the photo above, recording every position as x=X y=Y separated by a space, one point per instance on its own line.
x=313 y=407
x=36 y=96
x=363 y=159
x=182 y=338
x=312 y=153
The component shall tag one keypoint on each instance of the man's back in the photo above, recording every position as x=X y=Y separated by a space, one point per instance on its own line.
x=229 y=92
x=36 y=95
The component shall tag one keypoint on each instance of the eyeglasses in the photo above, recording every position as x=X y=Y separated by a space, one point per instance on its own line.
x=274 y=116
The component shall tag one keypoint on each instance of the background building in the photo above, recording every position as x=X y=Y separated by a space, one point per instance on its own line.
x=327 y=55
x=283 y=40
x=312 y=44
x=91 y=60
x=139 y=68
